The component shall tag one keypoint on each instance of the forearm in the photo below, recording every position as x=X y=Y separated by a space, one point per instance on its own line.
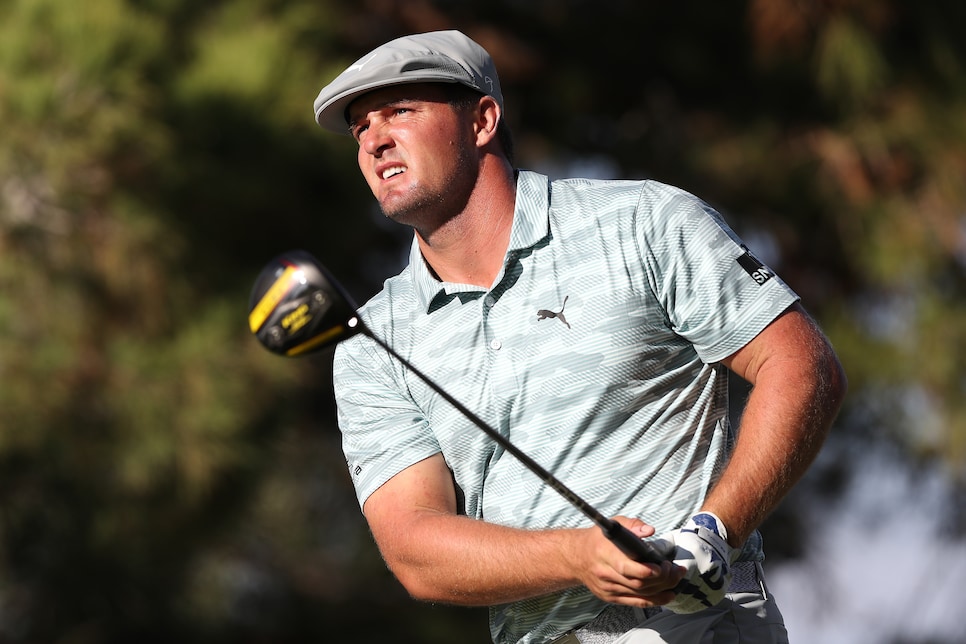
x=439 y=555
x=457 y=560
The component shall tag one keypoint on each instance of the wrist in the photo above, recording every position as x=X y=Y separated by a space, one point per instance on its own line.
x=732 y=536
x=711 y=521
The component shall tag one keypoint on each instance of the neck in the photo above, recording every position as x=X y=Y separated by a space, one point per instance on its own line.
x=470 y=247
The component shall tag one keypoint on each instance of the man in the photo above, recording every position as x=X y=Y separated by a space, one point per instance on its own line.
x=591 y=322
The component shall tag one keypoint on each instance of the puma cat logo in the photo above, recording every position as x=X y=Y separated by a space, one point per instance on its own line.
x=543 y=314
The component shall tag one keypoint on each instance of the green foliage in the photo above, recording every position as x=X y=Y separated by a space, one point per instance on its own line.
x=850 y=70
x=136 y=408
x=163 y=478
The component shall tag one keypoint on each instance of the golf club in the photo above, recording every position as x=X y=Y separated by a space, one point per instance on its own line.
x=297 y=307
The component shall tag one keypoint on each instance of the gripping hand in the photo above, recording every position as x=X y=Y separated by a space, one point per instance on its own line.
x=701 y=546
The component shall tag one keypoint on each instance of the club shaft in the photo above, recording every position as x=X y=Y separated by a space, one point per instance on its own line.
x=630 y=544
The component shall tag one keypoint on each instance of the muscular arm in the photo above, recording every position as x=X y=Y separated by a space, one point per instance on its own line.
x=797 y=389
x=441 y=556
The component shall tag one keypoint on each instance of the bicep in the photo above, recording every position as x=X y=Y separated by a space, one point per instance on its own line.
x=423 y=489
x=797 y=380
x=792 y=343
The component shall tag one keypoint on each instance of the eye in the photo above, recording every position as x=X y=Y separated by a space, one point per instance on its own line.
x=357 y=130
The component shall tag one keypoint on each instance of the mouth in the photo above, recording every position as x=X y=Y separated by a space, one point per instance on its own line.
x=392 y=171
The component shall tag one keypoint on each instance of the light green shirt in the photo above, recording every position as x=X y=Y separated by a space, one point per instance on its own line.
x=595 y=352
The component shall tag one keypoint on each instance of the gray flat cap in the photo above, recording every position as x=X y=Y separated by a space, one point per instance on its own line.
x=434 y=57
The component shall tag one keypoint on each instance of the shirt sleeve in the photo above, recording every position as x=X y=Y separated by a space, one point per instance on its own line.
x=715 y=292
x=383 y=430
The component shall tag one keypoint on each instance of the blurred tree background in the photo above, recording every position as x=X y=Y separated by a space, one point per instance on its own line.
x=163 y=478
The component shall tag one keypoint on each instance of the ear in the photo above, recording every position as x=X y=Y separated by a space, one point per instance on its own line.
x=487 y=118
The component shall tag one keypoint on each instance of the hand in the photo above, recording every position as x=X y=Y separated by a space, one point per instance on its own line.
x=702 y=549
x=612 y=576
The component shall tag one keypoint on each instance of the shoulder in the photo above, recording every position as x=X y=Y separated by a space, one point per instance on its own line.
x=647 y=208
x=357 y=362
x=536 y=190
x=394 y=302
x=648 y=195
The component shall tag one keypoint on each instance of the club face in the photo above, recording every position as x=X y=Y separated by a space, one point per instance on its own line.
x=296 y=307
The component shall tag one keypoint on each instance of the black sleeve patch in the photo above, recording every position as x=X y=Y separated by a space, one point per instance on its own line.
x=758 y=271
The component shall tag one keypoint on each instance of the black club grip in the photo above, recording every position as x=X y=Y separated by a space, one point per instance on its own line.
x=633 y=546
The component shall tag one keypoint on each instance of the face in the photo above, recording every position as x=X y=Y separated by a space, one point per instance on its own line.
x=416 y=151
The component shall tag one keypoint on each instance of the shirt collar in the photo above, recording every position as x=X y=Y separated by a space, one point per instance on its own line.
x=531 y=224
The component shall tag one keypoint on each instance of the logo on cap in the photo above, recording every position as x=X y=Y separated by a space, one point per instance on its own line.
x=357 y=67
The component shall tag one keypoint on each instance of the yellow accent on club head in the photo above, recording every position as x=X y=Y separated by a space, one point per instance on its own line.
x=270 y=300
x=321 y=338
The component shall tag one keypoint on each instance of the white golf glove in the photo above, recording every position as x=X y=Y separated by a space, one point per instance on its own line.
x=701 y=546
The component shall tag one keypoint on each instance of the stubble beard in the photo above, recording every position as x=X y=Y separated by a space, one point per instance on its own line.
x=426 y=207
x=418 y=206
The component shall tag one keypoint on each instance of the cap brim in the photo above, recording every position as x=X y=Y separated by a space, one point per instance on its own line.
x=331 y=115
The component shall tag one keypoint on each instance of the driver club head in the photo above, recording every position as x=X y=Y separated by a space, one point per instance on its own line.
x=296 y=306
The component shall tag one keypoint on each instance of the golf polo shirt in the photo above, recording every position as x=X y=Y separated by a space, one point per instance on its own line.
x=595 y=352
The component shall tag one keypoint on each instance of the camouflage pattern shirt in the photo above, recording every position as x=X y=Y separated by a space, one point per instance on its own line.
x=595 y=352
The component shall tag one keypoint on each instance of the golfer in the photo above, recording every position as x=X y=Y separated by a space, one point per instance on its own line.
x=593 y=323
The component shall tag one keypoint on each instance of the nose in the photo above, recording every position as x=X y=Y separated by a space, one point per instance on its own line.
x=377 y=138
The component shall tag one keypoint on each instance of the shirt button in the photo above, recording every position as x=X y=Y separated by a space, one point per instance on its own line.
x=495 y=345
x=489 y=301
